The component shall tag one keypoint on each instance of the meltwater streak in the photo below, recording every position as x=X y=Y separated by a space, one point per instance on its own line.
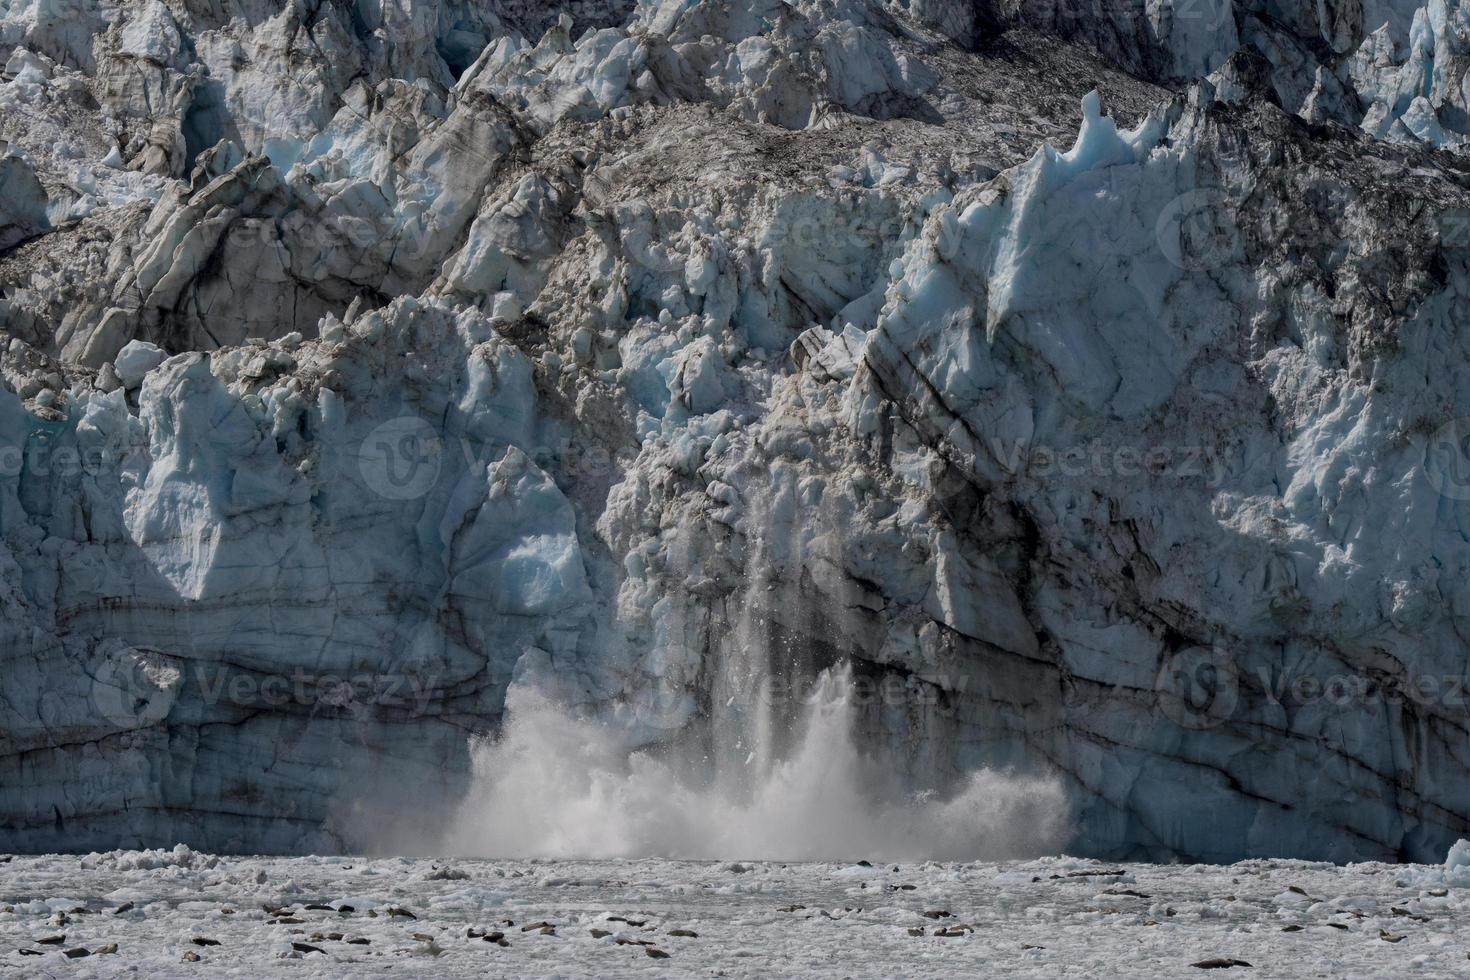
x=556 y=787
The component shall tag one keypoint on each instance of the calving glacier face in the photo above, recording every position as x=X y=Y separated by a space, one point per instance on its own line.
x=1393 y=67
x=363 y=571
x=649 y=368
x=1069 y=308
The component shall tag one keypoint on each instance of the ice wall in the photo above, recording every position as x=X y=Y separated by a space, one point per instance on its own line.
x=1109 y=437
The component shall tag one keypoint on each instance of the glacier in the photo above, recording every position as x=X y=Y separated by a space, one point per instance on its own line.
x=1086 y=379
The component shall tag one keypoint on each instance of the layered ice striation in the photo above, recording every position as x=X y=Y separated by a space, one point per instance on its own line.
x=1083 y=387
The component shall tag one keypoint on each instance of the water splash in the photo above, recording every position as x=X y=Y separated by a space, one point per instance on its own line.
x=757 y=775
x=557 y=787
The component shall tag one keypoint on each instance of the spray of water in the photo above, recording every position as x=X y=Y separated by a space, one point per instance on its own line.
x=557 y=787
x=756 y=776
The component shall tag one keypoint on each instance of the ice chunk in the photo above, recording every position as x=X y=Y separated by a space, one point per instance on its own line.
x=135 y=360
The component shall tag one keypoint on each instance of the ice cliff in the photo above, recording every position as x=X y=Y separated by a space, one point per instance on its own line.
x=1089 y=377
